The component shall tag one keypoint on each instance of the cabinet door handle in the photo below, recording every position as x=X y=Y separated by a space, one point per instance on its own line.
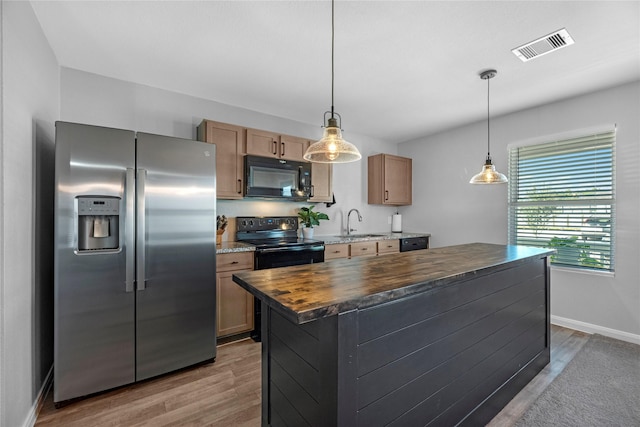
x=275 y=148
x=282 y=147
x=386 y=194
x=364 y=249
x=312 y=191
x=239 y=186
x=234 y=262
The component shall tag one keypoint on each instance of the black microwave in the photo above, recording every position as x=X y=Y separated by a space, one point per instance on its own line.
x=277 y=178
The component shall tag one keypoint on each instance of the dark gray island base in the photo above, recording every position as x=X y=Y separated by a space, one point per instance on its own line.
x=439 y=337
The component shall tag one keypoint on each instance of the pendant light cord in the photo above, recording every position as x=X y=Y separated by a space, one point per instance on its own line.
x=488 y=123
x=332 y=48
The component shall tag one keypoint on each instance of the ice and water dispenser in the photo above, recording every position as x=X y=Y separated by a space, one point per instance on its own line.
x=98 y=223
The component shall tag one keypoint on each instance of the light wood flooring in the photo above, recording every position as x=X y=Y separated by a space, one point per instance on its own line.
x=227 y=392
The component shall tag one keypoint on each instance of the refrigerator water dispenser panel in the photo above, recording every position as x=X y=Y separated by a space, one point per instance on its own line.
x=98 y=223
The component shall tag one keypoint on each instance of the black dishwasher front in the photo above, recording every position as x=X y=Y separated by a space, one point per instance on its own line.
x=414 y=244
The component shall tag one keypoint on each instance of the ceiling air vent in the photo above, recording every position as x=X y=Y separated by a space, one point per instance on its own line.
x=542 y=46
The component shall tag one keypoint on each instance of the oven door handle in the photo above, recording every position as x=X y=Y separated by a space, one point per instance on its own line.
x=291 y=249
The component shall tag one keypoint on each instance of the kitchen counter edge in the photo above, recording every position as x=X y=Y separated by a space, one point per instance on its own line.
x=234 y=247
x=514 y=255
x=335 y=240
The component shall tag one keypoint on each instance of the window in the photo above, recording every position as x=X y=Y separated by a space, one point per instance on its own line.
x=562 y=196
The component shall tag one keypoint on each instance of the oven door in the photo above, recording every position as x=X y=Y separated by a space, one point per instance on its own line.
x=286 y=257
x=281 y=257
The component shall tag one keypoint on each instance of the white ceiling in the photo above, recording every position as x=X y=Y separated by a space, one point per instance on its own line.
x=403 y=69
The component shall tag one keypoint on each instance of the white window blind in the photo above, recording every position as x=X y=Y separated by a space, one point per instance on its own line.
x=562 y=196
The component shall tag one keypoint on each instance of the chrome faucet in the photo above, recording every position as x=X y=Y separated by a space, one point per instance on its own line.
x=349 y=229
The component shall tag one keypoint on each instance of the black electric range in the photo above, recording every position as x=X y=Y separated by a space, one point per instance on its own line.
x=277 y=245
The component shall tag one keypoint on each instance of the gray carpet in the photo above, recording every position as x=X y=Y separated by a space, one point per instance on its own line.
x=599 y=387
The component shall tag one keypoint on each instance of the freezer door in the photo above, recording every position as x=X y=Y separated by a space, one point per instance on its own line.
x=94 y=305
x=175 y=253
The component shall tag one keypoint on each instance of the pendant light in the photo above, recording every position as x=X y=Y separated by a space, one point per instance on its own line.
x=489 y=175
x=332 y=148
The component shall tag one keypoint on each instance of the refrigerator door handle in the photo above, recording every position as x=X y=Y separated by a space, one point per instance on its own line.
x=129 y=220
x=140 y=229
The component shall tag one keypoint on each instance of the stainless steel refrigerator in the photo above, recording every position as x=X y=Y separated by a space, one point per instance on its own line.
x=134 y=260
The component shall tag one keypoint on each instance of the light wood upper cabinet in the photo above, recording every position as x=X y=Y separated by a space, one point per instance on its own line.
x=234 y=304
x=389 y=180
x=263 y=143
x=321 y=182
x=268 y=144
x=229 y=141
x=293 y=148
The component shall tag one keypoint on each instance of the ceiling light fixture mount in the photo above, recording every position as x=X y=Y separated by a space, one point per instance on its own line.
x=489 y=175
x=332 y=148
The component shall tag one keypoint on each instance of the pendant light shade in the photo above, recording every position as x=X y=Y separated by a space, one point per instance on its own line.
x=332 y=148
x=489 y=174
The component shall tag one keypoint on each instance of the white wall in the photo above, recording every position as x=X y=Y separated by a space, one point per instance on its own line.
x=457 y=212
x=30 y=105
x=98 y=100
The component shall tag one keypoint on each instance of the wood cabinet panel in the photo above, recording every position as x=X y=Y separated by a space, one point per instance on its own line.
x=321 y=182
x=263 y=143
x=340 y=250
x=229 y=141
x=369 y=248
x=293 y=148
x=234 y=304
x=390 y=180
x=269 y=144
x=234 y=261
x=388 y=246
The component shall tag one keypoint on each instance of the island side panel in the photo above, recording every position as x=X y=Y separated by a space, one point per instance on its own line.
x=309 y=370
x=437 y=357
x=291 y=380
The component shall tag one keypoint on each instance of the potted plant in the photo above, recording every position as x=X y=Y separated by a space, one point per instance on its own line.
x=309 y=218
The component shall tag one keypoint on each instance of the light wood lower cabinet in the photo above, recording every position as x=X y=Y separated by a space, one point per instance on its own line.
x=338 y=251
x=234 y=304
x=360 y=249
x=369 y=248
x=388 y=247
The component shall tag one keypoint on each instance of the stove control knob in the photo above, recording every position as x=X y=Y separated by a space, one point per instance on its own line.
x=251 y=223
x=244 y=223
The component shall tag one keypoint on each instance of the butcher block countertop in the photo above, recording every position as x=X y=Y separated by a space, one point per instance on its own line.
x=307 y=292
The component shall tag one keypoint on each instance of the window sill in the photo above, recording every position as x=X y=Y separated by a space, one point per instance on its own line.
x=583 y=271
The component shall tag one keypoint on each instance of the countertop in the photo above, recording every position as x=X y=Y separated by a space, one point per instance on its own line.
x=307 y=292
x=356 y=237
x=233 y=247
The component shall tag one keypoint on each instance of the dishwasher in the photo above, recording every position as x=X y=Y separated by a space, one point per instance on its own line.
x=414 y=244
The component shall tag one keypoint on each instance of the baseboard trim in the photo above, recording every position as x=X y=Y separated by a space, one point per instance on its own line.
x=37 y=405
x=595 y=329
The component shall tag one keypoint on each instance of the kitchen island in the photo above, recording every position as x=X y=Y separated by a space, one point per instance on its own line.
x=433 y=337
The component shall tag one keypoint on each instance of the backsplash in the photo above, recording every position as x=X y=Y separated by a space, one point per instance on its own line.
x=374 y=218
